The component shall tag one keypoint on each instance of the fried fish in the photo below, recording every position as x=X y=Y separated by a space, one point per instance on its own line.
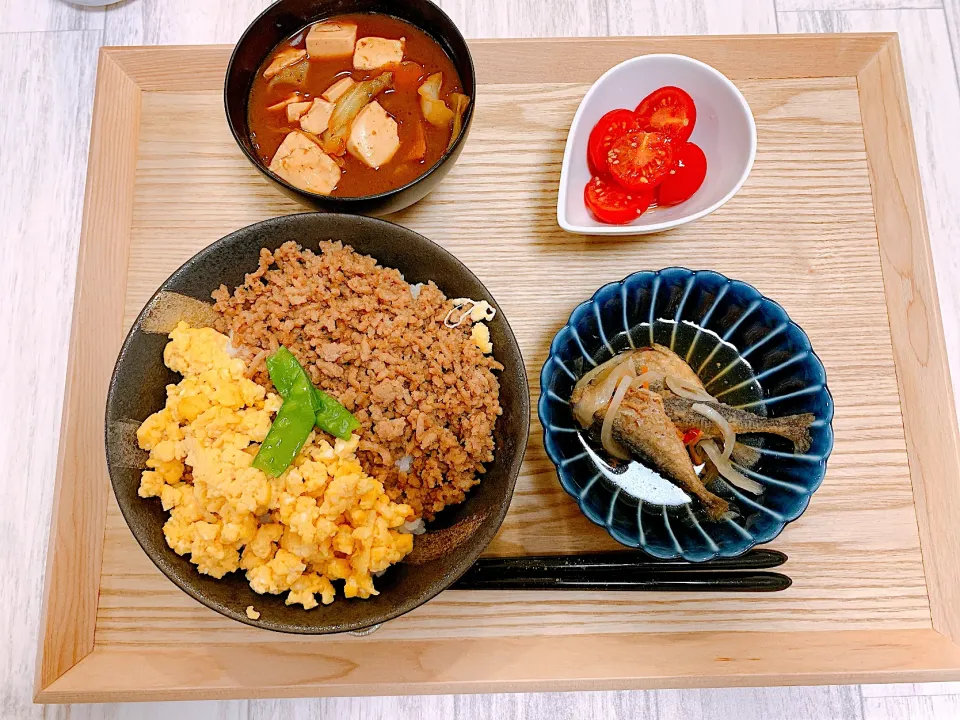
x=794 y=428
x=651 y=420
x=641 y=427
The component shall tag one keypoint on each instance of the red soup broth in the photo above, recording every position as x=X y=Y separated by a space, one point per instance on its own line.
x=268 y=128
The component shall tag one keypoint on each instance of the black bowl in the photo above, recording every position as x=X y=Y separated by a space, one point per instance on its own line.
x=283 y=19
x=453 y=540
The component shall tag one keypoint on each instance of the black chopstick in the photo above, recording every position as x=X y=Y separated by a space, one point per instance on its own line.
x=752 y=560
x=667 y=582
x=626 y=571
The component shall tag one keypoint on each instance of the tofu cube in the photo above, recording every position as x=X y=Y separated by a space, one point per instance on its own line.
x=301 y=162
x=317 y=118
x=283 y=103
x=331 y=40
x=374 y=138
x=376 y=52
x=334 y=92
x=284 y=58
x=296 y=110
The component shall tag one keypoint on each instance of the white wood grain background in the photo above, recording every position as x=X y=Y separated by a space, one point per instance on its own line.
x=47 y=71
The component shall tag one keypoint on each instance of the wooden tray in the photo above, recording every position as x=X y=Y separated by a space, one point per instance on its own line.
x=830 y=224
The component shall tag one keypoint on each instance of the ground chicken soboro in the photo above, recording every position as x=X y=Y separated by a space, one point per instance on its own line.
x=425 y=395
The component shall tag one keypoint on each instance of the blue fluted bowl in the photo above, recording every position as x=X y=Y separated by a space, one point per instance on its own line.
x=748 y=354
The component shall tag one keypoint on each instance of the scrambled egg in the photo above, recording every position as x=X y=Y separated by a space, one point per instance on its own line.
x=479 y=310
x=323 y=519
x=481 y=338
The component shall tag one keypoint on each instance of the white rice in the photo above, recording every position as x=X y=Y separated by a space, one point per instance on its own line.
x=405 y=463
x=413 y=527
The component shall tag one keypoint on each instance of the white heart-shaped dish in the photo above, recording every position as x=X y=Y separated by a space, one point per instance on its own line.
x=725 y=130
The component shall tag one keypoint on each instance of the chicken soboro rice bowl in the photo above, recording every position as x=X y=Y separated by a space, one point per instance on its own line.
x=331 y=410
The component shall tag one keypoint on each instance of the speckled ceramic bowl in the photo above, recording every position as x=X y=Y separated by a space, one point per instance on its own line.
x=137 y=389
x=748 y=354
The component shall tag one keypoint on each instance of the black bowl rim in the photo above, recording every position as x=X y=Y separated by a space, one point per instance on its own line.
x=356 y=199
x=545 y=431
x=483 y=537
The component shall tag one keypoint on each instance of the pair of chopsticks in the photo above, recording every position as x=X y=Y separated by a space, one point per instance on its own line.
x=627 y=571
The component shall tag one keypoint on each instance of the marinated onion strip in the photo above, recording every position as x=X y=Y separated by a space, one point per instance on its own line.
x=606 y=431
x=688 y=389
x=648 y=377
x=598 y=397
x=602 y=370
x=729 y=436
x=726 y=469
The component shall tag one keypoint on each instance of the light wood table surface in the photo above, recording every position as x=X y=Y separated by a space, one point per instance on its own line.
x=48 y=51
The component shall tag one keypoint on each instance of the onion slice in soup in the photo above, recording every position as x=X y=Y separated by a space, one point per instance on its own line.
x=349 y=105
x=294 y=74
x=459 y=102
x=434 y=109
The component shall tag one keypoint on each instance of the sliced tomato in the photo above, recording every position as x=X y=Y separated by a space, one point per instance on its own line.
x=612 y=126
x=640 y=160
x=610 y=203
x=685 y=178
x=668 y=110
